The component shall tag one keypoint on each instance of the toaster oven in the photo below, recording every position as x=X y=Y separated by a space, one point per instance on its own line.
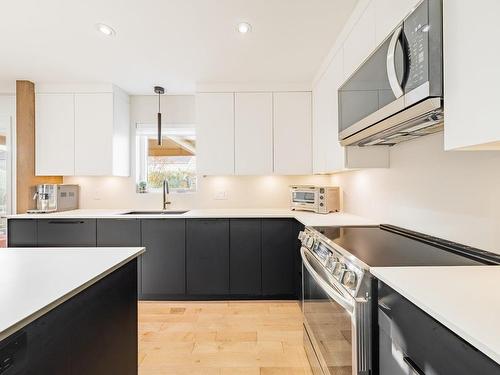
x=319 y=199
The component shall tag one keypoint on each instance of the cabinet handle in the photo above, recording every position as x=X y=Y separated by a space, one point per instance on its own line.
x=413 y=366
x=66 y=222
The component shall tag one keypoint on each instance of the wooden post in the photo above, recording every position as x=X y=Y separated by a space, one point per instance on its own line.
x=25 y=134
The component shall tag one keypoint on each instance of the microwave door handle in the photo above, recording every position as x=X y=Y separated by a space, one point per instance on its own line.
x=391 y=64
x=347 y=303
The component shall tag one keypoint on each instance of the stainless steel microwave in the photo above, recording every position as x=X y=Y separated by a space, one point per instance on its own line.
x=397 y=92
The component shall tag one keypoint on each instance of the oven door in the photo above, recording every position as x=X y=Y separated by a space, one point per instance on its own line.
x=328 y=320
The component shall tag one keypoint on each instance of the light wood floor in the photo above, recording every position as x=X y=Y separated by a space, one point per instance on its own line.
x=221 y=338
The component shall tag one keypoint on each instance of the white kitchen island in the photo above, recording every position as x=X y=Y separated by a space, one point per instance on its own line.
x=69 y=310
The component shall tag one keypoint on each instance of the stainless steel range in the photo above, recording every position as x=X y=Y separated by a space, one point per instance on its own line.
x=339 y=294
x=336 y=303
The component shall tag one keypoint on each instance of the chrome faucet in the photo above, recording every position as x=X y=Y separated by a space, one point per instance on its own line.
x=166 y=192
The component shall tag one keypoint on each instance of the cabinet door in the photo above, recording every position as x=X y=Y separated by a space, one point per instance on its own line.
x=94 y=134
x=471 y=78
x=118 y=232
x=361 y=41
x=253 y=135
x=215 y=133
x=207 y=243
x=54 y=135
x=21 y=233
x=66 y=232
x=121 y=233
x=292 y=133
x=328 y=153
x=278 y=257
x=163 y=263
x=245 y=257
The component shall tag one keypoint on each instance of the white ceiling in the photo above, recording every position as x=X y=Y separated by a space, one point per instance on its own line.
x=175 y=43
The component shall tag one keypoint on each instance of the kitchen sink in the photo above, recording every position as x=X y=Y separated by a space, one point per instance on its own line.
x=155 y=213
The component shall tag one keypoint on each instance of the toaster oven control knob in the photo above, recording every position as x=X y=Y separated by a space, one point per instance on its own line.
x=349 y=280
x=301 y=235
x=321 y=197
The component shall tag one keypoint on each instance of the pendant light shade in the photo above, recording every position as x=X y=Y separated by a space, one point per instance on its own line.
x=160 y=91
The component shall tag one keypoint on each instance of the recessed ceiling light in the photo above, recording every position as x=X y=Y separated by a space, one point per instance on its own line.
x=244 y=27
x=105 y=29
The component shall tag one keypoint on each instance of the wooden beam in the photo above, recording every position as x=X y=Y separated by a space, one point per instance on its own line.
x=25 y=154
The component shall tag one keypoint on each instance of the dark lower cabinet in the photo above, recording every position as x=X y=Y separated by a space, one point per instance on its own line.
x=21 y=233
x=279 y=249
x=245 y=262
x=412 y=342
x=187 y=258
x=94 y=332
x=66 y=232
x=207 y=256
x=164 y=262
x=120 y=233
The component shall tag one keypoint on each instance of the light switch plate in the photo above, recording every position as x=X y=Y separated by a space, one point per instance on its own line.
x=220 y=195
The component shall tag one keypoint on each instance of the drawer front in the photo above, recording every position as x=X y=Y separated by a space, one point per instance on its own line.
x=413 y=338
x=67 y=232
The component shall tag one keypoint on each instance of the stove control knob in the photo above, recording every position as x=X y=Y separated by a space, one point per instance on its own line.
x=338 y=268
x=310 y=242
x=350 y=279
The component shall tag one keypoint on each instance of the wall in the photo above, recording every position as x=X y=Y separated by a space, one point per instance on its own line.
x=7 y=125
x=241 y=192
x=454 y=195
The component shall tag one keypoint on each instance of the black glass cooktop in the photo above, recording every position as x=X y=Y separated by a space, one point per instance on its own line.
x=391 y=247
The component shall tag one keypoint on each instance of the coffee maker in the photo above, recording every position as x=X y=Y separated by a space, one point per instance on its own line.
x=54 y=198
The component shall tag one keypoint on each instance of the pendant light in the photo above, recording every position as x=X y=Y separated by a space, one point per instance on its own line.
x=160 y=91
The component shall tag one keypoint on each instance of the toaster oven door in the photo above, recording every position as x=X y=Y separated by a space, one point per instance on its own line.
x=304 y=200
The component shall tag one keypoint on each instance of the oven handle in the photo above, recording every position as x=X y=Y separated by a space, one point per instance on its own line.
x=347 y=303
x=391 y=64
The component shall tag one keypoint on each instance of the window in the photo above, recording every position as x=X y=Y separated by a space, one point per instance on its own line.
x=174 y=160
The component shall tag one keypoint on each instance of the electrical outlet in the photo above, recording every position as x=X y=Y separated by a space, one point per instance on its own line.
x=220 y=195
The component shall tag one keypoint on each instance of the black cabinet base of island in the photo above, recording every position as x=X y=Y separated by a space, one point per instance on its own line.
x=95 y=332
x=412 y=342
x=188 y=259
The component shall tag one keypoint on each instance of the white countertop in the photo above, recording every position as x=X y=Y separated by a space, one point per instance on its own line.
x=464 y=299
x=35 y=280
x=306 y=218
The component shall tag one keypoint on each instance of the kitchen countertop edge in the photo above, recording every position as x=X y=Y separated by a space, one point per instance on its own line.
x=392 y=276
x=304 y=217
x=23 y=322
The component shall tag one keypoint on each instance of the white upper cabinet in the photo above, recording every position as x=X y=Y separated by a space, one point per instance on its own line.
x=327 y=151
x=292 y=133
x=93 y=115
x=215 y=133
x=54 y=135
x=361 y=41
x=253 y=133
x=471 y=74
x=388 y=14
x=82 y=134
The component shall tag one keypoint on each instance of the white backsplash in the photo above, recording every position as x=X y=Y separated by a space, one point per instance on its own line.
x=454 y=194
x=213 y=192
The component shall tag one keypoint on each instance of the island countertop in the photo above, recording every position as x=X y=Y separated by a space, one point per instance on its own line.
x=463 y=299
x=304 y=217
x=34 y=281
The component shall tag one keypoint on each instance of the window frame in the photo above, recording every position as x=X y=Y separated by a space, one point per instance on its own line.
x=143 y=131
